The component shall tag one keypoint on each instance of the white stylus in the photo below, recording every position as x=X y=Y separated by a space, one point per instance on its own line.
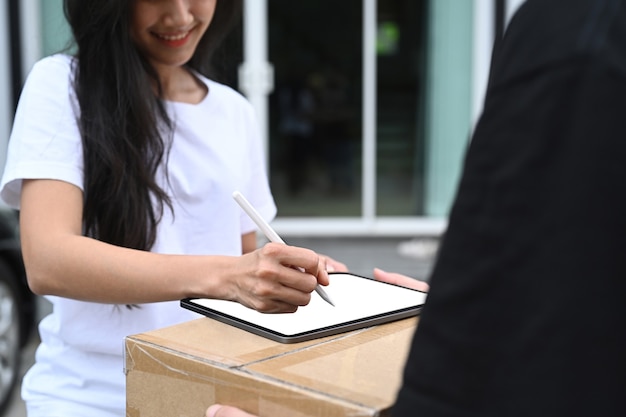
x=271 y=235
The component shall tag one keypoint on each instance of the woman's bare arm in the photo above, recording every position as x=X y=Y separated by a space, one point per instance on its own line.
x=60 y=261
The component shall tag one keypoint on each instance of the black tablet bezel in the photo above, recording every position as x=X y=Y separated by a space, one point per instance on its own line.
x=347 y=326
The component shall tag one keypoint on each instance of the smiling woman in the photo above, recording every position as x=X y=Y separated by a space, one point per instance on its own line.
x=120 y=167
x=168 y=33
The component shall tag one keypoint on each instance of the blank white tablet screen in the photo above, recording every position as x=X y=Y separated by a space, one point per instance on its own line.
x=354 y=297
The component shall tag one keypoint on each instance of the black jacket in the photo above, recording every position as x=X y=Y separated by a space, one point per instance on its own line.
x=527 y=310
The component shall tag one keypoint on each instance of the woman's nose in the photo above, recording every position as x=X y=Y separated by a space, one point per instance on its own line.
x=178 y=14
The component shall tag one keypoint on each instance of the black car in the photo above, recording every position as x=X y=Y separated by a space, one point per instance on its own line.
x=17 y=305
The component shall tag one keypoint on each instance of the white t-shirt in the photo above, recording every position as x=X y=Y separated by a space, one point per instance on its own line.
x=216 y=150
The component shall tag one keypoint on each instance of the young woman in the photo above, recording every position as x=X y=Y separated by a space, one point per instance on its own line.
x=122 y=161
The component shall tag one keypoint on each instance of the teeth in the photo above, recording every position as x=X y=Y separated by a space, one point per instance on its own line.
x=172 y=37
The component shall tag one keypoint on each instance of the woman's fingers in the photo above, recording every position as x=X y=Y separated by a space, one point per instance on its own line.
x=279 y=278
x=399 y=279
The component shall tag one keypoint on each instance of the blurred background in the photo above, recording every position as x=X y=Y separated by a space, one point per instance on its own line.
x=365 y=108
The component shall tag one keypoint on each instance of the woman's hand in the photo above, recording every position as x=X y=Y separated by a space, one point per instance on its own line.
x=399 y=279
x=276 y=278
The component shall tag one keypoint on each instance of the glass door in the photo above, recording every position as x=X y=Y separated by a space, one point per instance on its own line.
x=315 y=118
x=316 y=129
x=401 y=44
x=366 y=107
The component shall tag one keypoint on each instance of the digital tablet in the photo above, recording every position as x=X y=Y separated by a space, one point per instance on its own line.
x=359 y=302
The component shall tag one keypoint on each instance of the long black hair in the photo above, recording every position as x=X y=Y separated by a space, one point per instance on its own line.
x=125 y=130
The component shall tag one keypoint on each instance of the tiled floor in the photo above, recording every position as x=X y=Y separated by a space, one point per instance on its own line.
x=361 y=255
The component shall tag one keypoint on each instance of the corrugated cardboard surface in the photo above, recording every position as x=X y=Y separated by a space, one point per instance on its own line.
x=181 y=370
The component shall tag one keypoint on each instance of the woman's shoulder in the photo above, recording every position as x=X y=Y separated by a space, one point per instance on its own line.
x=54 y=62
x=51 y=67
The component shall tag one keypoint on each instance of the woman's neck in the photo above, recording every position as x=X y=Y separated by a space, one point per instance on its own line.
x=181 y=85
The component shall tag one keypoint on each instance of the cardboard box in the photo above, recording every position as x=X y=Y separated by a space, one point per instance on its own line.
x=181 y=370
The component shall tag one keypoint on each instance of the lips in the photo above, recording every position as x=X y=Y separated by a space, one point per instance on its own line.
x=173 y=39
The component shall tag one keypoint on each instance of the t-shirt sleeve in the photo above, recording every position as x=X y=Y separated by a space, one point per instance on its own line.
x=45 y=141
